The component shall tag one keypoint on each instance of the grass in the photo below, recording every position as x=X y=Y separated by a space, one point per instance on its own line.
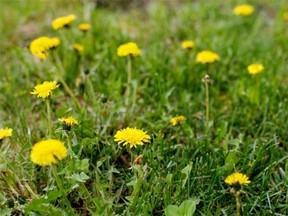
x=247 y=118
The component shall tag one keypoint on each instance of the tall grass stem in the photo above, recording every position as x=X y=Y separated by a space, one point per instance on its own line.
x=129 y=78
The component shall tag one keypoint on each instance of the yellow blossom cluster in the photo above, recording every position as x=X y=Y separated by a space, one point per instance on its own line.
x=207 y=56
x=237 y=178
x=47 y=152
x=255 y=68
x=84 y=27
x=70 y=121
x=5 y=132
x=79 y=48
x=174 y=121
x=63 y=22
x=45 y=89
x=243 y=10
x=131 y=137
x=128 y=49
x=40 y=46
x=187 y=44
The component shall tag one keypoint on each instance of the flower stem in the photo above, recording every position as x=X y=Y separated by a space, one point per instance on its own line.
x=238 y=203
x=60 y=186
x=129 y=78
x=49 y=117
x=61 y=72
x=207 y=107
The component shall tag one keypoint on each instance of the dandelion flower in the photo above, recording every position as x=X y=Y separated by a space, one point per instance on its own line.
x=84 y=27
x=44 y=90
x=7 y=132
x=63 y=22
x=285 y=16
x=40 y=46
x=207 y=56
x=243 y=10
x=54 y=42
x=78 y=47
x=70 y=121
x=131 y=137
x=237 y=179
x=49 y=151
x=178 y=119
x=255 y=68
x=188 y=44
x=128 y=49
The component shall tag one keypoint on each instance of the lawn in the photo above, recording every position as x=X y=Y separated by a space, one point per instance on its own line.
x=120 y=117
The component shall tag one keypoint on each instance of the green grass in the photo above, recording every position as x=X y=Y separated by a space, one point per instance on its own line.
x=248 y=114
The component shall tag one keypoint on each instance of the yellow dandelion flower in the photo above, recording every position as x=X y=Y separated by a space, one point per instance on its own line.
x=255 y=68
x=63 y=22
x=243 y=10
x=128 y=49
x=237 y=178
x=188 y=44
x=40 y=46
x=178 y=119
x=131 y=137
x=78 y=47
x=84 y=27
x=285 y=16
x=207 y=56
x=49 y=151
x=70 y=121
x=7 y=132
x=54 y=42
x=45 y=89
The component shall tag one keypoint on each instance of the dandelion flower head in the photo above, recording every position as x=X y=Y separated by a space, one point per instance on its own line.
x=285 y=16
x=54 y=42
x=48 y=151
x=63 y=22
x=84 y=27
x=243 y=10
x=70 y=121
x=255 y=68
x=128 y=49
x=174 y=121
x=45 y=89
x=40 y=46
x=7 y=132
x=78 y=47
x=188 y=44
x=237 y=178
x=131 y=137
x=207 y=56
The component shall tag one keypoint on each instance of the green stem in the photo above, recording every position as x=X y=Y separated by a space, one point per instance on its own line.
x=49 y=117
x=238 y=203
x=207 y=107
x=60 y=186
x=129 y=78
x=68 y=142
x=63 y=82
